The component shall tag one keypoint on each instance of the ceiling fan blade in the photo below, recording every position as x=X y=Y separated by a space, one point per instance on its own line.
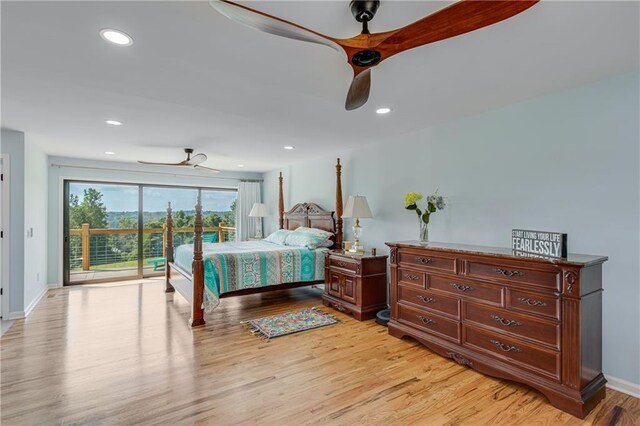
x=182 y=163
x=359 y=91
x=196 y=159
x=270 y=24
x=459 y=18
x=196 y=166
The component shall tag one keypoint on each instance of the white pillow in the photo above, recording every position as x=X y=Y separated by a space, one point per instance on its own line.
x=315 y=231
x=279 y=237
x=306 y=239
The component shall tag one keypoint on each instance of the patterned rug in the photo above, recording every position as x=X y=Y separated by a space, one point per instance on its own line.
x=289 y=323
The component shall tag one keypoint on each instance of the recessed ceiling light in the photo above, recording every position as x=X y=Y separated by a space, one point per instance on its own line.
x=110 y=153
x=116 y=37
x=113 y=122
x=289 y=147
x=240 y=165
x=383 y=110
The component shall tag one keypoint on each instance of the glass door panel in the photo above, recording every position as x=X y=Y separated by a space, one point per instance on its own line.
x=101 y=232
x=219 y=207
x=155 y=200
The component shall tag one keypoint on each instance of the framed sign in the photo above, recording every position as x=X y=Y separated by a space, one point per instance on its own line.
x=541 y=243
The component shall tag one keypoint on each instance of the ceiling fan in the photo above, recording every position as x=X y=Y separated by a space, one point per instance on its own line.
x=194 y=161
x=367 y=50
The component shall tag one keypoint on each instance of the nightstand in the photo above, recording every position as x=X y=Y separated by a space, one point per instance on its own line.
x=355 y=283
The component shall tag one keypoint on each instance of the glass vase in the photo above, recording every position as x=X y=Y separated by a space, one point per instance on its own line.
x=424 y=232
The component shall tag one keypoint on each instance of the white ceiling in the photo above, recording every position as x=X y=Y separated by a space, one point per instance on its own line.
x=195 y=79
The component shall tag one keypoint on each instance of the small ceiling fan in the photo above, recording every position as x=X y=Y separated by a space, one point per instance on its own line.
x=367 y=50
x=194 y=161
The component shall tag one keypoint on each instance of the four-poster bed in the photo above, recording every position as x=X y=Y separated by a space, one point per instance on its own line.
x=191 y=283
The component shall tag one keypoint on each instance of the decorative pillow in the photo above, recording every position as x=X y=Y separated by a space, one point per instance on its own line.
x=279 y=237
x=306 y=239
x=315 y=231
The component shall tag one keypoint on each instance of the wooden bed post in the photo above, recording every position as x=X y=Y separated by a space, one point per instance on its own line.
x=197 y=272
x=168 y=288
x=280 y=203
x=338 y=205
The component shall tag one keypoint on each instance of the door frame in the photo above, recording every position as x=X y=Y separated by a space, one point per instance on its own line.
x=6 y=229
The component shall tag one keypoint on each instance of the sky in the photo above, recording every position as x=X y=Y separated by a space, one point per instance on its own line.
x=125 y=197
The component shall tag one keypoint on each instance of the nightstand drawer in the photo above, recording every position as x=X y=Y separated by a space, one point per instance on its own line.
x=430 y=322
x=343 y=263
x=522 y=326
x=429 y=300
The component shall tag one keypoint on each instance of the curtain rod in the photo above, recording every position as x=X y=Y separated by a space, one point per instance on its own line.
x=152 y=173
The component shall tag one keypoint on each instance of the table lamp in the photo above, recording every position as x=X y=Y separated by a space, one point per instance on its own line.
x=357 y=207
x=258 y=211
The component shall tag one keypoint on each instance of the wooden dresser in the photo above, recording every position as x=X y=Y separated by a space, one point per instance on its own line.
x=355 y=283
x=532 y=320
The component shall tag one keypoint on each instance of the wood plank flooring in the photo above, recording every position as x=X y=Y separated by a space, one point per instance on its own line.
x=123 y=354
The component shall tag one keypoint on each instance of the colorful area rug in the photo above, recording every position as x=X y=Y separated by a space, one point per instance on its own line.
x=289 y=323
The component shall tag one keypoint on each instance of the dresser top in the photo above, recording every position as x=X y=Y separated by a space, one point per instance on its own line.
x=571 y=259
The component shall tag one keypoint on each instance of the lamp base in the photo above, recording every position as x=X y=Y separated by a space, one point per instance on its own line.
x=383 y=317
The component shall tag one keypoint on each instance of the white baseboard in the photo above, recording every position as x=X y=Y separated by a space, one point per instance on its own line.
x=35 y=302
x=55 y=285
x=16 y=315
x=623 y=386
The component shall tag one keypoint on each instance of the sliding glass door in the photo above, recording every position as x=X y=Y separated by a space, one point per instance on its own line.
x=116 y=231
x=101 y=232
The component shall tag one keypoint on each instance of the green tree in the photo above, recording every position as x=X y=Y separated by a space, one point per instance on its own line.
x=229 y=218
x=90 y=210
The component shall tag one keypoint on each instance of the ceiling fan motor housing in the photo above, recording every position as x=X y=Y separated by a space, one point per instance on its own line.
x=364 y=10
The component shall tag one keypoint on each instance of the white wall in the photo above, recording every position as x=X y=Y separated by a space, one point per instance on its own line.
x=61 y=168
x=566 y=162
x=28 y=201
x=35 y=222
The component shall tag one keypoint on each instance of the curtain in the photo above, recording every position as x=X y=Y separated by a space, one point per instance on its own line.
x=248 y=194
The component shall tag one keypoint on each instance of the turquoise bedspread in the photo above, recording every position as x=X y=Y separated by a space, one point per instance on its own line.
x=249 y=264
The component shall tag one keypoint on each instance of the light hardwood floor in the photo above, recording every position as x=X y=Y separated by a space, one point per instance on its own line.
x=123 y=354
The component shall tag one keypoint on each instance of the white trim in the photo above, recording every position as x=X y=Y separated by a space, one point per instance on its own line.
x=623 y=386
x=5 y=278
x=35 y=302
x=16 y=315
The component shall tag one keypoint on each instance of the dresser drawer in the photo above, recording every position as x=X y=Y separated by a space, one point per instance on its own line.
x=543 y=305
x=430 y=322
x=523 y=326
x=427 y=261
x=542 y=361
x=541 y=278
x=343 y=264
x=411 y=278
x=480 y=292
x=429 y=300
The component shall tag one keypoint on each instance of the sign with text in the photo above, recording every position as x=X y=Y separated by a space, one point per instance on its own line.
x=542 y=243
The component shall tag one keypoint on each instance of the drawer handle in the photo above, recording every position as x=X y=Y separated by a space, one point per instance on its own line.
x=342 y=264
x=505 y=348
x=508 y=273
x=531 y=302
x=425 y=320
x=505 y=321
x=411 y=277
x=426 y=299
x=423 y=260
x=461 y=287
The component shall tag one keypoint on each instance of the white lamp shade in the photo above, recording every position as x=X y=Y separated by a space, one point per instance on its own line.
x=357 y=207
x=258 y=210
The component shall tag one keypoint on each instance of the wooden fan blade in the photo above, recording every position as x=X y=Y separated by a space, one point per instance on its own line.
x=197 y=159
x=459 y=18
x=359 y=90
x=270 y=24
x=196 y=166
x=182 y=163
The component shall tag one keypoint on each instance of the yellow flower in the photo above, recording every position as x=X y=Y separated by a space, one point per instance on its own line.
x=411 y=198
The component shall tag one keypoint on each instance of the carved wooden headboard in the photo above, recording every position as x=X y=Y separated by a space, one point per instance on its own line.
x=310 y=215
